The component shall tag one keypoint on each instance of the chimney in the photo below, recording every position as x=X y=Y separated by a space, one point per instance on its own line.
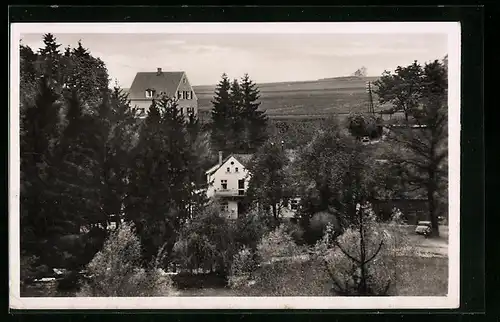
x=220 y=157
x=158 y=72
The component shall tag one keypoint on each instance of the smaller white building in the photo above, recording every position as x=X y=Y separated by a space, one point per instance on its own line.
x=228 y=182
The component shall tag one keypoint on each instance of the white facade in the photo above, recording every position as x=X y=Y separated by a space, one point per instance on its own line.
x=228 y=182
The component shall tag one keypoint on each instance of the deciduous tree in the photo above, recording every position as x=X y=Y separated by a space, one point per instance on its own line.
x=401 y=88
x=424 y=166
x=268 y=184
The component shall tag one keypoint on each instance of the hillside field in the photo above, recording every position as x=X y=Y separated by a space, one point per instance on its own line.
x=309 y=99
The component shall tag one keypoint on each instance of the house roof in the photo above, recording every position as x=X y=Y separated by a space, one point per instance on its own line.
x=164 y=81
x=244 y=159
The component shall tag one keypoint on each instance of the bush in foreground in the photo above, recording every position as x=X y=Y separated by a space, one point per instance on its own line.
x=275 y=244
x=206 y=242
x=116 y=271
x=242 y=268
x=364 y=259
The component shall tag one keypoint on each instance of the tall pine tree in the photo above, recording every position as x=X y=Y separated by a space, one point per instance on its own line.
x=160 y=185
x=221 y=114
x=255 y=129
x=87 y=74
x=28 y=74
x=235 y=118
x=50 y=59
x=79 y=177
x=38 y=135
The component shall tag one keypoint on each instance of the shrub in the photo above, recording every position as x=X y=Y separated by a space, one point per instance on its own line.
x=249 y=230
x=116 y=271
x=206 y=242
x=295 y=231
x=364 y=259
x=243 y=265
x=316 y=227
x=277 y=243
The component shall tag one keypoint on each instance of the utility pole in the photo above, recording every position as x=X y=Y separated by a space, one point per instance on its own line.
x=370 y=97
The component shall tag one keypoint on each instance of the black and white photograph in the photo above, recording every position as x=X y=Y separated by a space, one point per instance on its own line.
x=234 y=165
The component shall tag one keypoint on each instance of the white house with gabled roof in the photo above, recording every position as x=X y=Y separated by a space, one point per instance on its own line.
x=148 y=86
x=228 y=182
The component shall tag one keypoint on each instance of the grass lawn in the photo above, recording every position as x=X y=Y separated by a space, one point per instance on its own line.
x=420 y=276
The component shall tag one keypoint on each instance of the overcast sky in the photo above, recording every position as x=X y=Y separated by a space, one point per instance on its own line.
x=265 y=57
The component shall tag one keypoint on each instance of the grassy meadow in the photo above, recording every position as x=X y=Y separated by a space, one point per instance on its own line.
x=309 y=99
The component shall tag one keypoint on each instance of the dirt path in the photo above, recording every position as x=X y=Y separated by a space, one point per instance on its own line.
x=432 y=247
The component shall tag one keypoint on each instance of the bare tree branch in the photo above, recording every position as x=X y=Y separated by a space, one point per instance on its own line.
x=376 y=252
x=347 y=254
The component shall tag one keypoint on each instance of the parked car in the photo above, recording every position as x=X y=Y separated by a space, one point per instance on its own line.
x=423 y=228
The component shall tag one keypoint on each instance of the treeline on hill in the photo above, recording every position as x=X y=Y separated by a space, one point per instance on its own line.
x=86 y=161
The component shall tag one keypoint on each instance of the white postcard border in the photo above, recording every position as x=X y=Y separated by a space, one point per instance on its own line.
x=452 y=29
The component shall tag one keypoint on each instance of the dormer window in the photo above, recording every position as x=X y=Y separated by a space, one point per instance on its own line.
x=150 y=93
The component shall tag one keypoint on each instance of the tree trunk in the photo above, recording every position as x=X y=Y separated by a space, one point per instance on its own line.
x=431 y=189
x=362 y=283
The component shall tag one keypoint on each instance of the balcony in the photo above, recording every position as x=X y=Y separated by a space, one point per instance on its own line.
x=230 y=192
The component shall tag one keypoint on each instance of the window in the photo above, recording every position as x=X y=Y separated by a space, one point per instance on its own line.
x=188 y=95
x=225 y=206
x=241 y=187
x=190 y=110
x=181 y=110
x=236 y=169
x=184 y=81
x=150 y=93
x=179 y=95
x=294 y=204
x=228 y=169
x=223 y=184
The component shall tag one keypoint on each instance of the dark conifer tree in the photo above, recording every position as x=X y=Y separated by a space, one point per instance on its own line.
x=79 y=177
x=220 y=114
x=38 y=135
x=255 y=120
x=28 y=75
x=159 y=187
x=88 y=75
x=235 y=117
x=50 y=59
